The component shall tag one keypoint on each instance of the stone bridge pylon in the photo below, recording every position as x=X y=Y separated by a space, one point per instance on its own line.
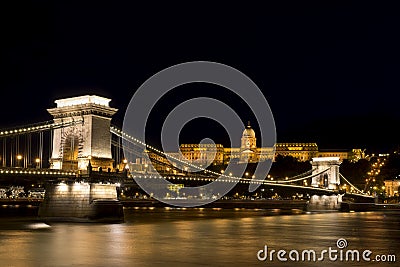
x=330 y=179
x=88 y=139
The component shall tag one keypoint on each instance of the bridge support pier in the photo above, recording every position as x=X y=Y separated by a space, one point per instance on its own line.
x=324 y=203
x=81 y=202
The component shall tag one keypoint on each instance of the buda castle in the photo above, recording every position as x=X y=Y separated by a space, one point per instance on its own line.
x=217 y=154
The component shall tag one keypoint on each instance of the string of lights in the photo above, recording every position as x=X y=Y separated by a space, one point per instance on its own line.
x=226 y=178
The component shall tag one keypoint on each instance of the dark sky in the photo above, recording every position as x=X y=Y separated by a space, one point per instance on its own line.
x=330 y=71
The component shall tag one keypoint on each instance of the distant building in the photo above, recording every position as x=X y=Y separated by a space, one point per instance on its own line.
x=300 y=151
x=352 y=155
x=207 y=154
x=392 y=187
x=341 y=154
x=203 y=153
x=248 y=151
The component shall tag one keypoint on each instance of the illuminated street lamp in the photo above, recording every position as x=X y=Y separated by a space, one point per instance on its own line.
x=19 y=157
x=37 y=160
x=125 y=164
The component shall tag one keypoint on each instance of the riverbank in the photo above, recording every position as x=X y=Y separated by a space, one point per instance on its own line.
x=225 y=204
x=369 y=207
x=229 y=204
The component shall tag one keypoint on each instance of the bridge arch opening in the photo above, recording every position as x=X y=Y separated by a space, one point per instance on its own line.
x=70 y=152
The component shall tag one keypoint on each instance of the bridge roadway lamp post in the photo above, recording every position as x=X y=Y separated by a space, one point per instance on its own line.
x=19 y=158
x=37 y=163
x=125 y=164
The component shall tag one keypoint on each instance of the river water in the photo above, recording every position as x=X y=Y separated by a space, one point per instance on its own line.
x=198 y=237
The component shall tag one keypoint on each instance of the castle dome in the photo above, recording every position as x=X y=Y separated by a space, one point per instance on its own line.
x=249 y=132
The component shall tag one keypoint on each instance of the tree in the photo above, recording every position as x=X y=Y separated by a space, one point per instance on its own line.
x=391 y=168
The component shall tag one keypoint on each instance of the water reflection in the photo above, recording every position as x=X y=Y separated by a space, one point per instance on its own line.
x=193 y=237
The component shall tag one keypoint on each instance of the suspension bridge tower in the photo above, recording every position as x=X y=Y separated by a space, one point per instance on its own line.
x=87 y=137
x=328 y=167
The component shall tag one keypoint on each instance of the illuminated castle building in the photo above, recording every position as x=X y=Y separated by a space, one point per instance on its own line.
x=205 y=154
x=216 y=154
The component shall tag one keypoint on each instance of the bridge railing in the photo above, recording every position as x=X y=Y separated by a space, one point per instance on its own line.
x=35 y=171
x=37 y=127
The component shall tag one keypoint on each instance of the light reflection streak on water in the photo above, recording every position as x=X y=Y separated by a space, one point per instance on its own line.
x=192 y=237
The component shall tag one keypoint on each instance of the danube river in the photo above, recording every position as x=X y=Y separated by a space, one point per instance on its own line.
x=202 y=237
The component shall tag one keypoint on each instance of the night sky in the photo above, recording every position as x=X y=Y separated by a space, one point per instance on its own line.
x=330 y=72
